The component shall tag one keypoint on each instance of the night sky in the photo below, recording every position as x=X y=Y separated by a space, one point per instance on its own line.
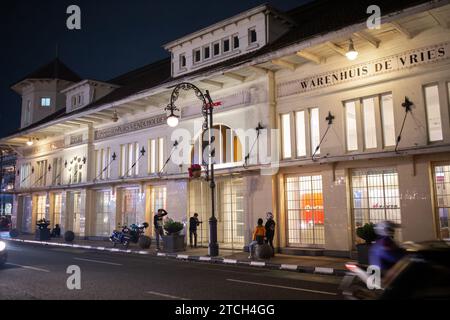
x=116 y=37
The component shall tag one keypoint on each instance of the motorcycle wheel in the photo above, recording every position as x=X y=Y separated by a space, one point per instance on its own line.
x=126 y=244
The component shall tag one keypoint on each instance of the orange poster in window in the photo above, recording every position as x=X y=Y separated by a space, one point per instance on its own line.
x=312 y=208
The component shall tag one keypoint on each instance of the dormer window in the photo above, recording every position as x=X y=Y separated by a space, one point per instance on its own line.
x=206 y=53
x=216 y=48
x=182 y=61
x=197 y=55
x=235 y=42
x=45 y=102
x=74 y=101
x=226 y=45
x=252 y=37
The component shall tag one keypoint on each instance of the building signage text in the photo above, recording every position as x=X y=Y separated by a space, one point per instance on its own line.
x=393 y=63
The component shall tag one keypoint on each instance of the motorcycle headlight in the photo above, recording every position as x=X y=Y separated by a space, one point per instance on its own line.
x=2 y=246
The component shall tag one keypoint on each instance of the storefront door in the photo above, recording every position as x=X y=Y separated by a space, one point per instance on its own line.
x=105 y=218
x=75 y=218
x=129 y=213
x=229 y=211
x=26 y=214
x=442 y=199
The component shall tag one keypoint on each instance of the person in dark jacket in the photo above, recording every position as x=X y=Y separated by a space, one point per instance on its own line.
x=158 y=224
x=270 y=231
x=56 y=232
x=193 y=224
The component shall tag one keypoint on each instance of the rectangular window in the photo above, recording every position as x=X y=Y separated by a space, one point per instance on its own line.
x=314 y=124
x=152 y=156
x=206 y=53
x=442 y=198
x=286 y=135
x=433 y=113
x=160 y=153
x=216 y=49
x=235 y=42
x=41 y=177
x=56 y=171
x=41 y=207
x=45 y=102
x=197 y=55
x=226 y=45
x=123 y=160
x=375 y=196
x=182 y=60
x=370 y=127
x=104 y=214
x=300 y=133
x=351 y=128
x=304 y=209
x=387 y=117
x=252 y=36
x=25 y=175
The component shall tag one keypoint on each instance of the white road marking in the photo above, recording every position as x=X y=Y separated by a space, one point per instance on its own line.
x=205 y=258
x=28 y=267
x=98 y=261
x=323 y=270
x=230 y=261
x=289 y=266
x=257 y=263
x=283 y=287
x=166 y=295
x=182 y=256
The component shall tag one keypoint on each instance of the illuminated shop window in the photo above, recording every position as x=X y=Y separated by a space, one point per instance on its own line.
x=105 y=217
x=57 y=207
x=286 y=135
x=375 y=196
x=46 y=102
x=230 y=213
x=387 y=119
x=300 y=129
x=304 y=210
x=351 y=127
x=130 y=212
x=442 y=198
x=314 y=125
x=41 y=204
x=433 y=113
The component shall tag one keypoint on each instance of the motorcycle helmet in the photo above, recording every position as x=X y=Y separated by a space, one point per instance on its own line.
x=386 y=228
x=145 y=225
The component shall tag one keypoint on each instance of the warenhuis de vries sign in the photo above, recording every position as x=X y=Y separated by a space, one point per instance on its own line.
x=392 y=63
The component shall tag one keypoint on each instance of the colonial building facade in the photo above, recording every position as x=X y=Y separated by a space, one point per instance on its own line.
x=348 y=141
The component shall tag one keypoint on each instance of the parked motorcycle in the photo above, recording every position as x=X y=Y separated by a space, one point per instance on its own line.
x=128 y=234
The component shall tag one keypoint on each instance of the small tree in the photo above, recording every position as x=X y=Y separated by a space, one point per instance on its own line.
x=367 y=233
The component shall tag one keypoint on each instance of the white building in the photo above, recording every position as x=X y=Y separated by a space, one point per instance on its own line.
x=287 y=71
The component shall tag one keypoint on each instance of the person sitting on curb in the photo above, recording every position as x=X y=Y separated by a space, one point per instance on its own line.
x=258 y=237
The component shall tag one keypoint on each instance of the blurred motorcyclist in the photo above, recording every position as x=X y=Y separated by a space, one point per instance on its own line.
x=385 y=253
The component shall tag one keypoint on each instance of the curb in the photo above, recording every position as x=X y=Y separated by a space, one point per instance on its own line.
x=212 y=260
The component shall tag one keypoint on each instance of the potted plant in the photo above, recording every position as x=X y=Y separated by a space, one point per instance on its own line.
x=367 y=233
x=42 y=230
x=173 y=240
x=195 y=171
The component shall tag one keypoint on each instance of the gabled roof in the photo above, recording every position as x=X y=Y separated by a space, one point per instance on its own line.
x=55 y=69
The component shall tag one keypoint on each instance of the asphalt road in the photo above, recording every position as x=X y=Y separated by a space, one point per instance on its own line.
x=36 y=272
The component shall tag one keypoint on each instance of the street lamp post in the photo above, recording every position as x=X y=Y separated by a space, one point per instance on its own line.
x=207 y=111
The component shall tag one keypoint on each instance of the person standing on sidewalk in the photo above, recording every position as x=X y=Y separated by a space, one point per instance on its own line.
x=258 y=237
x=158 y=224
x=270 y=231
x=193 y=224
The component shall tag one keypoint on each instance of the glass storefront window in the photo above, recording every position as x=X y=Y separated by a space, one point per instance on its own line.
x=230 y=211
x=442 y=192
x=105 y=218
x=130 y=207
x=57 y=201
x=41 y=207
x=375 y=196
x=304 y=208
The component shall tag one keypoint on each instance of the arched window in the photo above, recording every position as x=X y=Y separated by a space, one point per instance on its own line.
x=227 y=145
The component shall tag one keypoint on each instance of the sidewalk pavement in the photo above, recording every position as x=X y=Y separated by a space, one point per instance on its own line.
x=305 y=264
